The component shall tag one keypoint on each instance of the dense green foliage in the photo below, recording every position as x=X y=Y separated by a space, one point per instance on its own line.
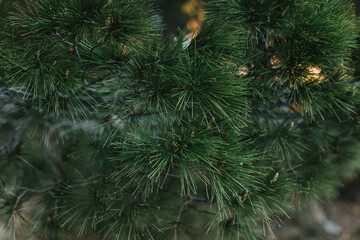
x=110 y=130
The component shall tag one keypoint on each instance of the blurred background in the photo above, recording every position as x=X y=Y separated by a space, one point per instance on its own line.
x=335 y=220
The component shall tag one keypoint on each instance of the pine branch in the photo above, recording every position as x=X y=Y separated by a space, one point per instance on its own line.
x=222 y=120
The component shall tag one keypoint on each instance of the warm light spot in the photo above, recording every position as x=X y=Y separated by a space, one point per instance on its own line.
x=275 y=61
x=193 y=8
x=314 y=70
x=38 y=55
x=109 y=21
x=193 y=25
x=67 y=74
x=314 y=75
x=270 y=43
x=243 y=71
x=295 y=108
x=71 y=48
x=122 y=50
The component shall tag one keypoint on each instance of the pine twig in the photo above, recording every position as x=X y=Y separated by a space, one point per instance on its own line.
x=181 y=210
x=18 y=199
x=289 y=163
x=99 y=45
x=36 y=190
x=14 y=63
x=63 y=39
x=86 y=44
x=26 y=190
x=77 y=52
x=70 y=44
x=86 y=182
x=201 y=211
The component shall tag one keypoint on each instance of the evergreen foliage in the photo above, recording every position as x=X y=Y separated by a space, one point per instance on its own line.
x=110 y=130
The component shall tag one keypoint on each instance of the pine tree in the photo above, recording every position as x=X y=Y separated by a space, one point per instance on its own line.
x=111 y=130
